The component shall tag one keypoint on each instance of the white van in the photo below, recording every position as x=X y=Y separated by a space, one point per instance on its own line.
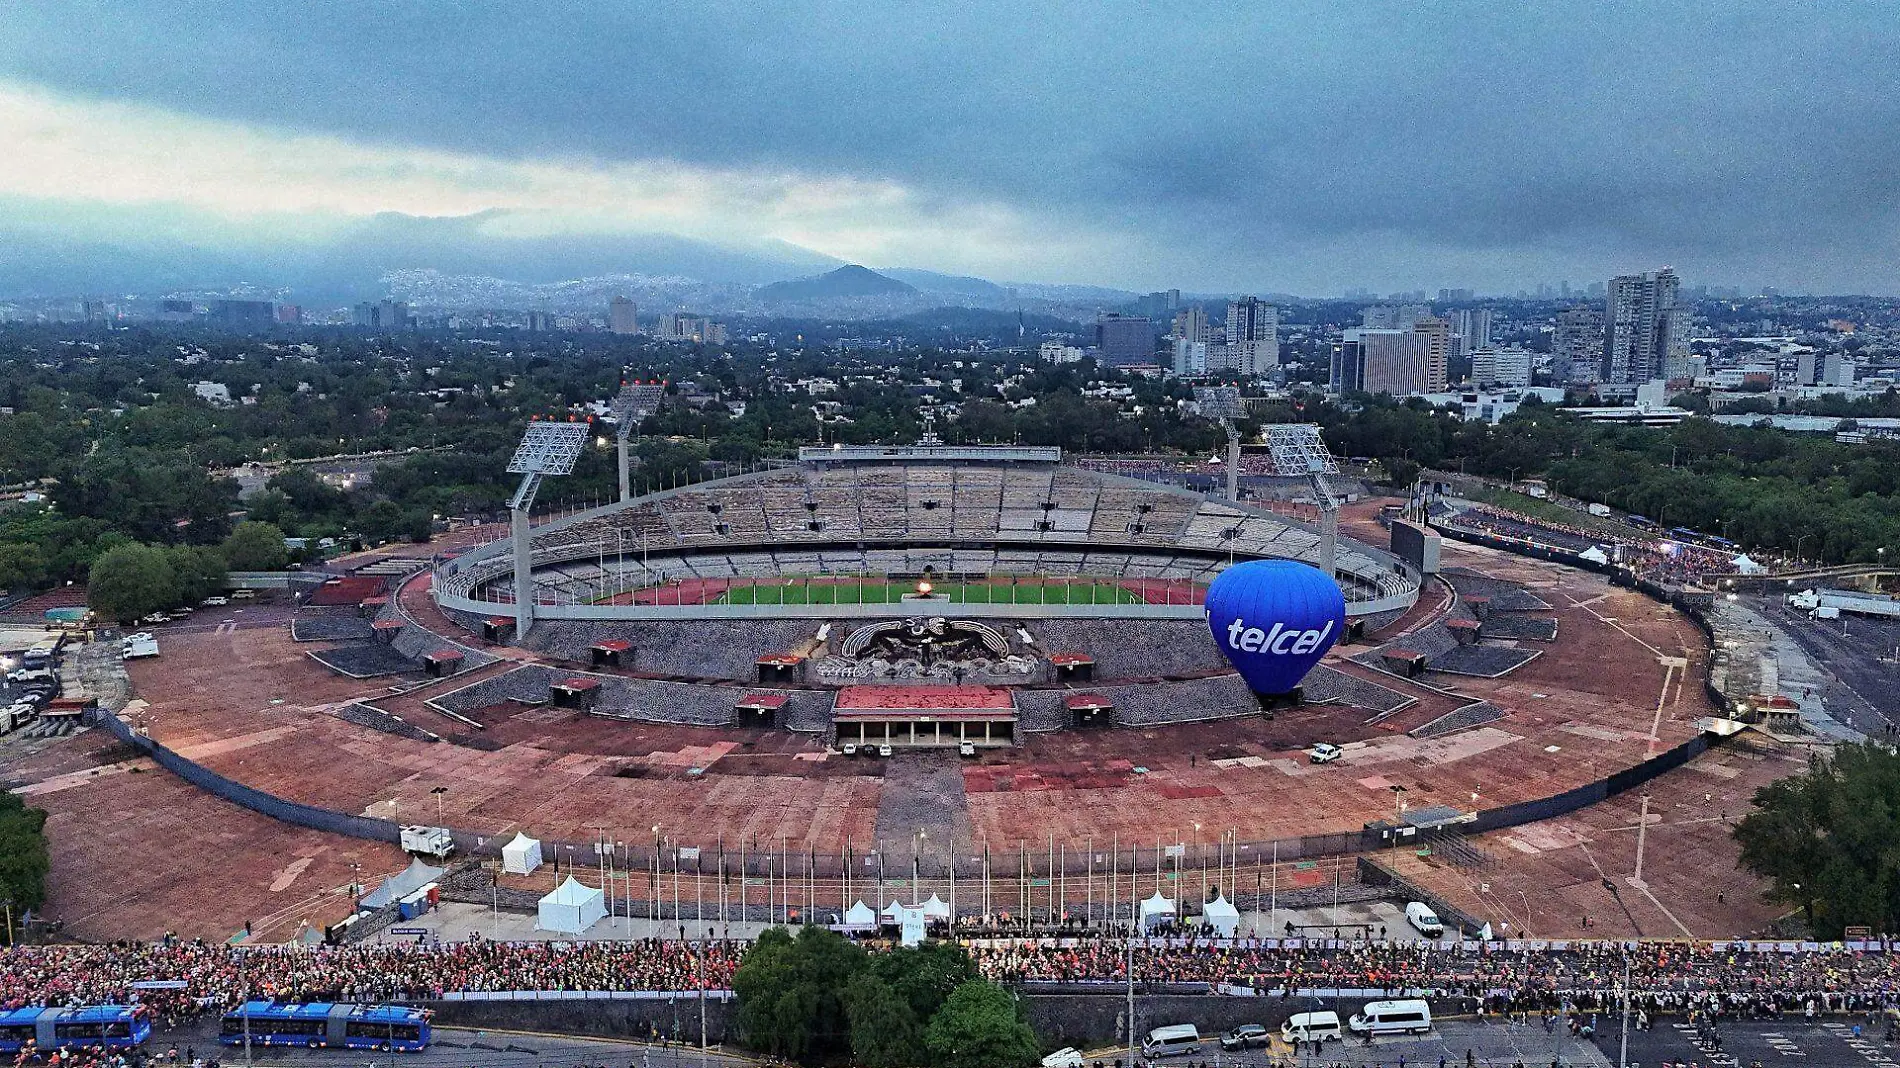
x=1067 y=1057
x=1171 y=1040
x=1410 y=1017
x=1424 y=920
x=1311 y=1027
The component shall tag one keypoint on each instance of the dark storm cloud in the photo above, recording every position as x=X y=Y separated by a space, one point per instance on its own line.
x=1241 y=145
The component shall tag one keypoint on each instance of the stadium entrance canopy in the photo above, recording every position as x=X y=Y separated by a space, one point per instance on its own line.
x=924 y=717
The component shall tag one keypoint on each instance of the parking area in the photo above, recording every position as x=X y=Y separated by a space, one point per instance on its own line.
x=1860 y=653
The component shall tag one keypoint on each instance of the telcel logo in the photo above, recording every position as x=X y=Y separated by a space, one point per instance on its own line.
x=1278 y=640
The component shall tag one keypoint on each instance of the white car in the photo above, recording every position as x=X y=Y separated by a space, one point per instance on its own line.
x=883 y=750
x=967 y=749
x=214 y=602
x=849 y=749
x=1324 y=753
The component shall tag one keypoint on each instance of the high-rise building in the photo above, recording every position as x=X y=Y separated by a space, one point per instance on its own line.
x=1398 y=362
x=1576 y=348
x=623 y=316
x=1501 y=367
x=1393 y=316
x=1190 y=357
x=1640 y=326
x=1348 y=373
x=1253 y=336
x=383 y=315
x=1125 y=339
x=1190 y=324
x=1447 y=296
x=1472 y=326
x=1437 y=334
x=1837 y=369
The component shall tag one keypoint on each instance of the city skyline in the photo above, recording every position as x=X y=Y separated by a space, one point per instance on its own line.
x=1021 y=146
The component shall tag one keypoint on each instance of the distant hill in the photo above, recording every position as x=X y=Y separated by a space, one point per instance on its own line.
x=850 y=280
x=963 y=285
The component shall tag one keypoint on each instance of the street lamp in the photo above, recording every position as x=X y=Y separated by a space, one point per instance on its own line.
x=1797 y=546
x=438 y=792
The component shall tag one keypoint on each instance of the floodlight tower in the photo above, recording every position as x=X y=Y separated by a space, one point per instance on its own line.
x=635 y=402
x=548 y=448
x=1297 y=450
x=1222 y=404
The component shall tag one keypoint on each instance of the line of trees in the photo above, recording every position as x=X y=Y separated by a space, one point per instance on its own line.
x=1828 y=840
x=23 y=858
x=816 y=998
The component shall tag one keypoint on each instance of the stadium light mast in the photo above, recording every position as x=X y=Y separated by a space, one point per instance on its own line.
x=635 y=401
x=1297 y=450
x=1222 y=404
x=548 y=448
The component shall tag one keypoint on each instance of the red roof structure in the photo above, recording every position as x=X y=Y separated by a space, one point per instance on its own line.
x=346 y=590
x=1088 y=702
x=442 y=656
x=1070 y=659
x=763 y=702
x=577 y=685
x=784 y=660
x=385 y=625
x=913 y=699
x=612 y=645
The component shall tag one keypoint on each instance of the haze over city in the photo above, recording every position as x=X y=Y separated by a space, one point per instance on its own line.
x=1286 y=148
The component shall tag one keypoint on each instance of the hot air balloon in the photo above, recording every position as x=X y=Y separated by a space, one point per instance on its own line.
x=1274 y=619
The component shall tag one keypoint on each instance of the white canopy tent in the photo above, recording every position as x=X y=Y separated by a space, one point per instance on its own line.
x=909 y=921
x=1745 y=566
x=521 y=856
x=1156 y=911
x=411 y=879
x=935 y=909
x=859 y=917
x=1594 y=554
x=1221 y=917
x=571 y=908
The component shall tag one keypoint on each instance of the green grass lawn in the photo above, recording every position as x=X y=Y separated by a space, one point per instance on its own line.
x=877 y=591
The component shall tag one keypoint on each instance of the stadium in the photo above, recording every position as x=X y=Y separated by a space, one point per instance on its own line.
x=930 y=569
x=988 y=666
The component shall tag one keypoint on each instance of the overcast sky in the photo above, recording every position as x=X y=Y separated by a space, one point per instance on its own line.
x=1258 y=145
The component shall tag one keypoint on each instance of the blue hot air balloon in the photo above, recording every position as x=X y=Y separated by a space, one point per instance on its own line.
x=1274 y=619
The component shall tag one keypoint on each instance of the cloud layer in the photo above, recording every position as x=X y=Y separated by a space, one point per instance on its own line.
x=1273 y=147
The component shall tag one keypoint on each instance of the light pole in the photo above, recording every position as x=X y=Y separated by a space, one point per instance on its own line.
x=1797 y=546
x=438 y=792
x=1527 y=913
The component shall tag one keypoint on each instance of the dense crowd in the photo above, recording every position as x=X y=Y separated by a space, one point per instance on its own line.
x=1665 y=561
x=1667 y=977
x=219 y=976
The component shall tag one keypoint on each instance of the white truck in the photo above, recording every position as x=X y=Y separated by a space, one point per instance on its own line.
x=428 y=841
x=138 y=646
x=1601 y=511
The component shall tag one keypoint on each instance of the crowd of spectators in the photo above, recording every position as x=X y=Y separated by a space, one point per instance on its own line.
x=1663 y=560
x=218 y=976
x=1667 y=977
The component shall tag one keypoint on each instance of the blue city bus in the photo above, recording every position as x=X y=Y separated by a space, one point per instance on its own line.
x=92 y=1026
x=327 y=1024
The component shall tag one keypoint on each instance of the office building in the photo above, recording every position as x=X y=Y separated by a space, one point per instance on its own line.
x=1807 y=367
x=1447 y=296
x=1576 y=348
x=1190 y=324
x=1393 y=316
x=1348 y=373
x=1057 y=352
x=1190 y=357
x=382 y=315
x=1398 y=362
x=1642 y=327
x=623 y=316
x=1837 y=370
x=1125 y=339
x=243 y=312
x=1472 y=329
x=1437 y=334
x=1252 y=336
x=1501 y=367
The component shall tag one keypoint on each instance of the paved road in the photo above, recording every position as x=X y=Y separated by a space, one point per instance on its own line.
x=1829 y=1043
x=1867 y=690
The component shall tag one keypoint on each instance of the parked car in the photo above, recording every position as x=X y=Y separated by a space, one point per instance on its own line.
x=1246 y=1036
x=214 y=602
x=967 y=749
x=244 y=595
x=155 y=618
x=883 y=750
x=849 y=749
x=1421 y=917
x=1324 y=753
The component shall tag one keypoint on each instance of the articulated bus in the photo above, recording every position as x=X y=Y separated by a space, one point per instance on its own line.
x=326 y=1024
x=108 y=1026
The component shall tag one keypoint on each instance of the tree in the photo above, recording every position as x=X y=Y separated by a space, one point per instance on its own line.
x=197 y=570
x=129 y=581
x=21 y=564
x=1829 y=839
x=791 y=993
x=23 y=859
x=884 y=1030
x=255 y=546
x=979 y=1027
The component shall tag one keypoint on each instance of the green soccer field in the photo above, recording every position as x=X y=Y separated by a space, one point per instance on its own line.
x=879 y=591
